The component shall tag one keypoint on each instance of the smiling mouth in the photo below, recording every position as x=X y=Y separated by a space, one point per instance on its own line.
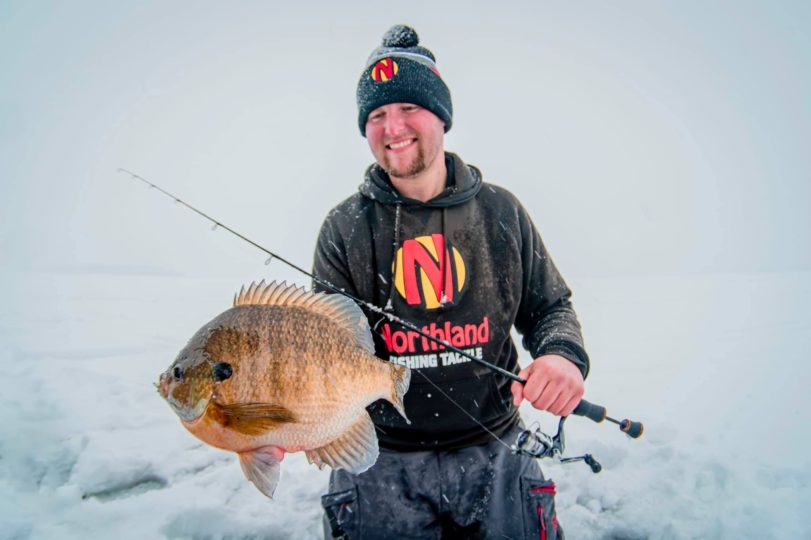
x=399 y=145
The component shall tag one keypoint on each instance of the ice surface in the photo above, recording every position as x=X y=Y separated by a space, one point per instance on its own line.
x=713 y=365
x=628 y=164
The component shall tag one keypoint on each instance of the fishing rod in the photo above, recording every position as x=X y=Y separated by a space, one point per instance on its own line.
x=532 y=442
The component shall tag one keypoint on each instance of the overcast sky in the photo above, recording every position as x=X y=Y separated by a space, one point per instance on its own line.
x=652 y=138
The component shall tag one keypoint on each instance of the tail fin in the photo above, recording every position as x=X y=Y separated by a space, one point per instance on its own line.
x=401 y=378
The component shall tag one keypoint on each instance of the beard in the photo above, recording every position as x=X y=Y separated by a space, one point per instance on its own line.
x=407 y=170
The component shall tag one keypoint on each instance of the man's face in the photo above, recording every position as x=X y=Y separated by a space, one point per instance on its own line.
x=404 y=138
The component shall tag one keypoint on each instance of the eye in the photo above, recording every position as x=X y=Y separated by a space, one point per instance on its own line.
x=376 y=115
x=222 y=371
x=178 y=373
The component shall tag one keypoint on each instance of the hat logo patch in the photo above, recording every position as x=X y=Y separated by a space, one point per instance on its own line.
x=385 y=70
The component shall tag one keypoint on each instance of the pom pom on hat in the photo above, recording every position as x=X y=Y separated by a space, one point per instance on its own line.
x=400 y=35
x=401 y=71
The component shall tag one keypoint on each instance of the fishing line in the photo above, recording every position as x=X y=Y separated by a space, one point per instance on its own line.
x=371 y=307
x=326 y=284
x=594 y=412
x=496 y=437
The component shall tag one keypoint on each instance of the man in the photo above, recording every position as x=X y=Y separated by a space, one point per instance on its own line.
x=429 y=241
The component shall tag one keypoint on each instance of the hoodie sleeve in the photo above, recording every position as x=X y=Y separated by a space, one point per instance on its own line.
x=330 y=260
x=546 y=317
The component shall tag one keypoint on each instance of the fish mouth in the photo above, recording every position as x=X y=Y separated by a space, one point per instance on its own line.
x=187 y=413
x=161 y=388
x=163 y=385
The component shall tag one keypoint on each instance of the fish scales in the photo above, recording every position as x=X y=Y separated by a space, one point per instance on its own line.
x=293 y=372
x=305 y=362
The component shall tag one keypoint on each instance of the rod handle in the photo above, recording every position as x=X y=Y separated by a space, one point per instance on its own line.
x=590 y=411
x=633 y=429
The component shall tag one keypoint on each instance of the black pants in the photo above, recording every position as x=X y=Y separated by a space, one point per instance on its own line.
x=478 y=492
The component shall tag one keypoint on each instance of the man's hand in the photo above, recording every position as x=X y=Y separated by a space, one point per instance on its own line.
x=554 y=384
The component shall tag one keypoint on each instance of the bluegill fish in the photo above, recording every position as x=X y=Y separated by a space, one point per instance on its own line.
x=284 y=370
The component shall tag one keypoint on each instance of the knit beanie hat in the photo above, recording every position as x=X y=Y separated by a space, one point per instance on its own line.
x=400 y=71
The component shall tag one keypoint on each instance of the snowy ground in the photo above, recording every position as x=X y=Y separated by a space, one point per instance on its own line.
x=715 y=365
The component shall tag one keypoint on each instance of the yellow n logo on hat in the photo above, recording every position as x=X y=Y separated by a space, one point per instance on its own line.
x=384 y=70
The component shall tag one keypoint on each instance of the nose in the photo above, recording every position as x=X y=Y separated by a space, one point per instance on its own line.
x=394 y=123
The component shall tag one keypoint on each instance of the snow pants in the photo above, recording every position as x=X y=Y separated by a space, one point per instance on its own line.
x=478 y=492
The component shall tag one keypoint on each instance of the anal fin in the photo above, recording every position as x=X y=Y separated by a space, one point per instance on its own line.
x=261 y=467
x=355 y=450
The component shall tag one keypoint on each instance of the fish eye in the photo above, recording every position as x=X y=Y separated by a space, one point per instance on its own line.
x=178 y=373
x=222 y=371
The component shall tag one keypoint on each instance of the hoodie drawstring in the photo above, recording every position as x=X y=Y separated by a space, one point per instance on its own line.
x=444 y=260
x=395 y=247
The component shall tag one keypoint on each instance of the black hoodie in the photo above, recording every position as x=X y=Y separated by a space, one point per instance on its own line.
x=466 y=267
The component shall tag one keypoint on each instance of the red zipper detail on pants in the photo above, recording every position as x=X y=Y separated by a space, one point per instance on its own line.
x=551 y=489
x=545 y=489
x=542 y=523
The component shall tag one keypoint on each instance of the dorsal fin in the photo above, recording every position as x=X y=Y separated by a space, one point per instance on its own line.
x=337 y=308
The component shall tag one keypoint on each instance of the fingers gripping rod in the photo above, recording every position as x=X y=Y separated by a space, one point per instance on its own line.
x=598 y=413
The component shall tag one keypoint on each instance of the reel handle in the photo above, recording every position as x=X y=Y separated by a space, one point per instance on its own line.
x=593 y=463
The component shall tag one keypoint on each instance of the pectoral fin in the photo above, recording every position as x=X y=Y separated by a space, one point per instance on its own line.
x=262 y=469
x=400 y=378
x=252 y=418
x=355 y=450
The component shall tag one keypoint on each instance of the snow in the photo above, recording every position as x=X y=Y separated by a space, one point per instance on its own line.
x=673 y=195
x=712 y=364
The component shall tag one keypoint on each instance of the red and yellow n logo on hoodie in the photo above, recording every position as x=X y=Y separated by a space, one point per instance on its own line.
x=428 y=272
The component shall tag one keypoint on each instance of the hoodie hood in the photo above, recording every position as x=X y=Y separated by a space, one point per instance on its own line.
x=464 y=183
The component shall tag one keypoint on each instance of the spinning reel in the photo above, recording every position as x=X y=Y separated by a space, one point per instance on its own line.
x=535 y=443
